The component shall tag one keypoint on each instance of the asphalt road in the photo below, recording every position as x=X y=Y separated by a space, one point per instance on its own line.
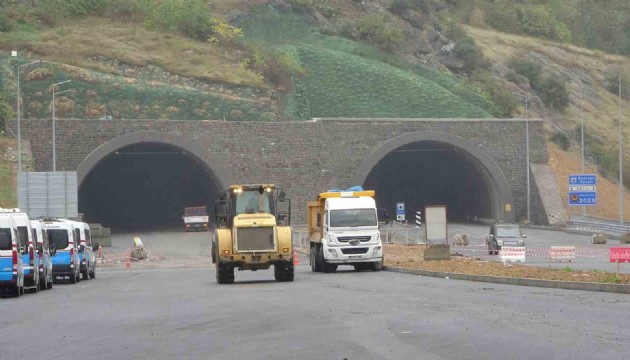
x=184 y=314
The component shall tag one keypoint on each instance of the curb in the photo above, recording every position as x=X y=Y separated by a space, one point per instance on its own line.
x=570 y=285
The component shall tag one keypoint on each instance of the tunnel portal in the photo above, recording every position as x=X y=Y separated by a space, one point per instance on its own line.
x=432 y=173
x=146 y=186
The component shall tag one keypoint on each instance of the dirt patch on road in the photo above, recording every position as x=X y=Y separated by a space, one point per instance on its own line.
x=412 y=257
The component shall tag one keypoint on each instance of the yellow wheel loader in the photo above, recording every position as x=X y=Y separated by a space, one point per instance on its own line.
x=252 y=232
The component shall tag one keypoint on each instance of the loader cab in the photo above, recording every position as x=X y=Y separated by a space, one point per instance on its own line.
x=252 y=199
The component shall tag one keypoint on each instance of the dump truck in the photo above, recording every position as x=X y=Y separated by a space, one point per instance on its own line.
x=195 y=218
x=343 y=230
x=252 y=232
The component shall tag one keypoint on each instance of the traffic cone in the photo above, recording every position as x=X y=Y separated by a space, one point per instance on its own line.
x=128 y=262
x=296 y=258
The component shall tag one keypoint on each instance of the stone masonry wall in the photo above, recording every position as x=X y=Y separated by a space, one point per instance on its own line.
x=303 y=157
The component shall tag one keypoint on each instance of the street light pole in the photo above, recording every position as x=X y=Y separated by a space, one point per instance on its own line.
x=527 y=144
x=19 y=106
x=582 y=133
x=54 y=135
x=620 y=158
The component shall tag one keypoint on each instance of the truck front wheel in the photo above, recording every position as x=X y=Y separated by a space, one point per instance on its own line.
x=323 y=265
x=376 y=266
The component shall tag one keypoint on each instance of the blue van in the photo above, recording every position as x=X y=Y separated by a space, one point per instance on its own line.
x=65 y=262
x=43 y=250
x=11 y=270
x=30 y=261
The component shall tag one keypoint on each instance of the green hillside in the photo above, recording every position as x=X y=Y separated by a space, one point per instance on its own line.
x=283 y=66
x=338 y=84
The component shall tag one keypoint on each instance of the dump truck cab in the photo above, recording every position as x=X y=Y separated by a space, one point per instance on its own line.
x=343 y=230
x=252 y=232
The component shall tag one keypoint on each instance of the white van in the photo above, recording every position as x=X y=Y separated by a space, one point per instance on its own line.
x=11 y=270
x=65 y=262
x=30 y=261
x=43 y=250
x=86 y=249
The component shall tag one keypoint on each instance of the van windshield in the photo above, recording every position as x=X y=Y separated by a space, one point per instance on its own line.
x=58 y=238
x=5 y=239
x=353 y=218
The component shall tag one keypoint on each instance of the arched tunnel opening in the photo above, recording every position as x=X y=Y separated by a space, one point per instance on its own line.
x=145 y=187
x=434 y=173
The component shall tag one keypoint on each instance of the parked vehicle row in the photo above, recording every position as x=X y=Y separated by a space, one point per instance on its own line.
x=35 y=253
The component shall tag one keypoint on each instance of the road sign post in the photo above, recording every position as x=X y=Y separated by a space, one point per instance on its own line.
x=583 y=190
x=400 y=211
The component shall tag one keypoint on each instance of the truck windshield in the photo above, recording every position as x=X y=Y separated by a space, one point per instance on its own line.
x=252 y=202
x=58 y=238
x=353 y=217
x=5 y=239
x=508 y=232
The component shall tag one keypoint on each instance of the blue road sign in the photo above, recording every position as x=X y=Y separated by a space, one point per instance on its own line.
x=583 y=179
x=582 y=198
x=400 y=211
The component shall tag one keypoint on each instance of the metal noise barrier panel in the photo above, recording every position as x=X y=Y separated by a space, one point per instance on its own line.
x=48 y=194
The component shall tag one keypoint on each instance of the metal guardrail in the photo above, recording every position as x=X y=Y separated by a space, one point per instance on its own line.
x=399 y=233
x=597 y=227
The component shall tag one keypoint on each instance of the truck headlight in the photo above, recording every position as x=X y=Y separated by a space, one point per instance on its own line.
x=500 y=242
x=333 y=252
x=331 y=238
x=375 y=251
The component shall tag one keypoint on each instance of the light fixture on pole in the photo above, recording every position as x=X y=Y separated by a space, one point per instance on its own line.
x=19 y=106
x=54 y=137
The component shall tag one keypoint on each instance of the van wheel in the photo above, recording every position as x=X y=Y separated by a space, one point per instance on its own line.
x=17 y=292
x=93 y=273
x=50 y=284
x=73 y=278
x=43 y=285
x=84 y=274
x=35 y=288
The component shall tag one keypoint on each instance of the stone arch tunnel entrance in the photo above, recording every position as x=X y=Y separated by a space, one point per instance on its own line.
x=432 y=168
x=143 y=182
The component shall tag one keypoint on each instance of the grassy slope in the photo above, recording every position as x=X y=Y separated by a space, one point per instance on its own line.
x=345 y=78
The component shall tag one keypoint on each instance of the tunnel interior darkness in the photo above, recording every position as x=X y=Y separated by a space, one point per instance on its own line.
x=146 y=186
x=433 y=173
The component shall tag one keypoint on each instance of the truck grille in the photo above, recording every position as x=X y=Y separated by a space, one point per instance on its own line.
x=354 y=251
x=349 y=238
x=255 y=239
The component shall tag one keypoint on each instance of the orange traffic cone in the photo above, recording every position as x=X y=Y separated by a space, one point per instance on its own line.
x=128 y=262
x=296 y=258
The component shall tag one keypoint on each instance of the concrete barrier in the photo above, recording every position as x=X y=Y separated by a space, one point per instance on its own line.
x=438 y=252
x=598 y=239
